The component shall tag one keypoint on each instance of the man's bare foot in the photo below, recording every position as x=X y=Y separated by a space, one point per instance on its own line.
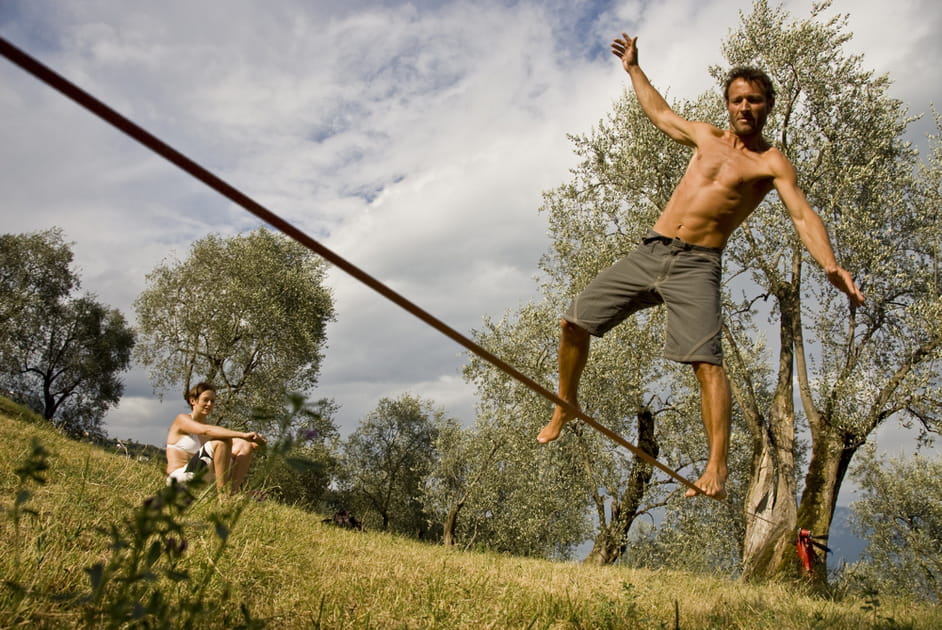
x=712 y=484
x=552 y=430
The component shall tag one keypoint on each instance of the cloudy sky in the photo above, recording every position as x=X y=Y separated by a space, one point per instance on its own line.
x=414 y=139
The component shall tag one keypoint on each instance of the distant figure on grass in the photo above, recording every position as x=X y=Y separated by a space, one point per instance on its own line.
x=344 y=519
x=193 y=445
x=678 y=262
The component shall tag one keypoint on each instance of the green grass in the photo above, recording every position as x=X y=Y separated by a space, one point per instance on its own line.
x=289 y=570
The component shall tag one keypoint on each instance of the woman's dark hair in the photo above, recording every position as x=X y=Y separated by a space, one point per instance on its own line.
x=753 y=75
x=198 y=389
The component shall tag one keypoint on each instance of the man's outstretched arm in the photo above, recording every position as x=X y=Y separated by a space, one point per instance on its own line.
x=811 y=229
x=653 y=104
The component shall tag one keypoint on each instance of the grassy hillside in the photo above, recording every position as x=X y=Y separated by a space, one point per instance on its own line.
x=260 y=564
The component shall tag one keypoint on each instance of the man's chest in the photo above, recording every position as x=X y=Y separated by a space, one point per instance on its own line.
x=745 y=172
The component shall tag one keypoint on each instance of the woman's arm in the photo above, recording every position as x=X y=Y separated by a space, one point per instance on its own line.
x=187 y=424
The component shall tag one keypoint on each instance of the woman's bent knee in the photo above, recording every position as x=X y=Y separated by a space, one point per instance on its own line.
x=243 y=447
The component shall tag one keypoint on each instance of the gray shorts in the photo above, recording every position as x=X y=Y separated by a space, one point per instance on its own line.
x=685 y=278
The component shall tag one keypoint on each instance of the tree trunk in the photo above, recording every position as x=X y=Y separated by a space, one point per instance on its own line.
x=450 y=527
x=831 y=455
x=770 y=515
x=451 y=524
x=771 y=503
x=609 y=543
x=49 y=400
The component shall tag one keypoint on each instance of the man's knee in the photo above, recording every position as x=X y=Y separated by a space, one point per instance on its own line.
x=708 y=372
x=573 y=330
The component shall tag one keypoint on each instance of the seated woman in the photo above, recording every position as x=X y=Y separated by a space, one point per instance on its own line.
x=193 y=445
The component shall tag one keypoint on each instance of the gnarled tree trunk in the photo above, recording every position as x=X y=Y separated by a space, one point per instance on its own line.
x=831 y=455
x=450 y=526
x=609 y=543
x=770 y=505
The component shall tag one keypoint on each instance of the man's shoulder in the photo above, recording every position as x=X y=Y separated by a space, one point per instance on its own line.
x=777 y=161
x=703 y=134
x=707 y=128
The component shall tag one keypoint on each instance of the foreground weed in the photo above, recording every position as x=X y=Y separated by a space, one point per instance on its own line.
x=620 y=612
x=31 y=470
x=143 y=583
x=871 y=606
x=144 y=547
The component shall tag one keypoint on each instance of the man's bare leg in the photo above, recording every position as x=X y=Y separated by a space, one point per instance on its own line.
x=573 y=354
x=716 y=408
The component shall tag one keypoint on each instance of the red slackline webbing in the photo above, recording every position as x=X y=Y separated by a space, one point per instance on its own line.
x=72 y=91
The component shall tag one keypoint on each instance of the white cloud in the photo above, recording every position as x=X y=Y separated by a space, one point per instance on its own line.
x=134 y=418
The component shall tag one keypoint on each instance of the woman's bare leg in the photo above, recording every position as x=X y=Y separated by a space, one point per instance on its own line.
x=242 y=451
x=221 y=459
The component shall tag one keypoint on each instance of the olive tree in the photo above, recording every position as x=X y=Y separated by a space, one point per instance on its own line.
x=900 y=517
x=301 y=467
x=35 y=275
x=854 y=369
x=385 y=460
x=248 y=313
x=494 y=487
x=59 y=354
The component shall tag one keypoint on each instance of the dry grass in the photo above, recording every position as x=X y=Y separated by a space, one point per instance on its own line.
x=292 y=571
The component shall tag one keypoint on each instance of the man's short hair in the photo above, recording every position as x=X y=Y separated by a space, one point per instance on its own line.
x=753 y=75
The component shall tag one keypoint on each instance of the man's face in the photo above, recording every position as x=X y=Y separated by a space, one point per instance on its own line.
x=747 y=107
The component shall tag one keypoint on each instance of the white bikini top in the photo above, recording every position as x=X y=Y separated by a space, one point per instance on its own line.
x=188 y=443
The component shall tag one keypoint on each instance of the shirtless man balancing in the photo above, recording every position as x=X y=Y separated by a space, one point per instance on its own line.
x=678 y=263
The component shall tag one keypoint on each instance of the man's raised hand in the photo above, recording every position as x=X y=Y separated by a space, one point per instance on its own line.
x=626 y=50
